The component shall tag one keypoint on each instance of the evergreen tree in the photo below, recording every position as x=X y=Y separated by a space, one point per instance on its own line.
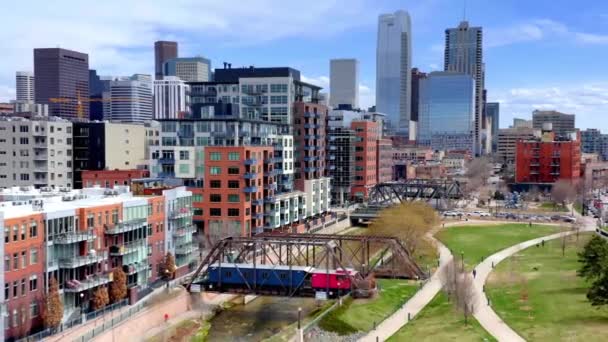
x=594 y=258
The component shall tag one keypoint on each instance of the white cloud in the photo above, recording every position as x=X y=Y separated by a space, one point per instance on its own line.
x=536 y=30
x=321 y=81
x=119 y=35
x=588 y=101
x=433 y=66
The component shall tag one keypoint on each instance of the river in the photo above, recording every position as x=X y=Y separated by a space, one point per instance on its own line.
x=260 y=319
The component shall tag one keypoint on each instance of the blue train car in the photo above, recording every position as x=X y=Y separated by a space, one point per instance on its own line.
x=262 y=277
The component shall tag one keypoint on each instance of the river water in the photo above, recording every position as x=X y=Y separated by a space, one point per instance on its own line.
x=260 y=319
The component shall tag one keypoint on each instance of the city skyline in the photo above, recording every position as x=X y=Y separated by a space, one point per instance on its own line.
x=576 y=33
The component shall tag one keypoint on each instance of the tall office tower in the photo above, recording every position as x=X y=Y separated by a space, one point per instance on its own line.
x=464 y=53
x=98 y=86
x=163 y=51
x=417 y=75
x=137 y=88
x=562 y=123
x=171 y=98
x=344 y=83
x=25 y=86
x=195 y=69
x=62 y=73
x=493 y=113
x=393 y=66
x=447 y=111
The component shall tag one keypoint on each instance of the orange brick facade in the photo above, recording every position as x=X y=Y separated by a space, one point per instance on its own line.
x=366 y=133
x=547 y=162
x=110 y=178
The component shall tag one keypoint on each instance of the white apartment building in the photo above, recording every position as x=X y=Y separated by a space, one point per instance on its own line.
x=171 y=98
x=318 y=195
x=24 y=81
x=125 y=145
x=35 y=152
x=131 y=99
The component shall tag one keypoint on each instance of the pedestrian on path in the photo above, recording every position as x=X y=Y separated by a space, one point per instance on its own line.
x=166 y=317
x=474 y=273
x=542 y=242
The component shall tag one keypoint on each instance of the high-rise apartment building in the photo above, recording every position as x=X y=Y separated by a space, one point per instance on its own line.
x=193 y=69
x=340 y=156
x=98 y=87
x=36 y=152
x=366 y=133
x=464 y=54
x=130 y=99
x=493 y=114
x=63 y=74
x=562 y=123
x=593 y=141
x=417 y=75
x=163 y=51
x=393 y=70
x=447 y=111
x=25 y=86
x=171 y=98
x=344 y=82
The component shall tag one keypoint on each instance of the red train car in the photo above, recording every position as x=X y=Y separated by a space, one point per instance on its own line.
x=338 y=279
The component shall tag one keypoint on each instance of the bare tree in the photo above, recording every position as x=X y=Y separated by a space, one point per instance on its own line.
x=563 y=192
x=460 y=289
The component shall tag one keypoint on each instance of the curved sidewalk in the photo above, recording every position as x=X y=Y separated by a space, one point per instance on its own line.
x=484 y=313
x=392 y=324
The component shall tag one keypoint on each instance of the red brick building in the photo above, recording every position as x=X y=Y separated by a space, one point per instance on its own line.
x=366 y=133
x=547 y=160
x=110 y=178
x=384 y=157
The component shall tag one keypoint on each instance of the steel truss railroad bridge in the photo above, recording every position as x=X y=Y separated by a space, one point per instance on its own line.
x=383 y=195
x=369 y=256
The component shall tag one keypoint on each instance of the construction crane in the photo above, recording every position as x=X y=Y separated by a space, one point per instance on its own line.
x=80 y=101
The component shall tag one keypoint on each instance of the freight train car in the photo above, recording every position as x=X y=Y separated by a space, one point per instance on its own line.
x=323 y=280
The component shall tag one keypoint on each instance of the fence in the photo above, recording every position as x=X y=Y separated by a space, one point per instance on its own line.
x=39 y=336
x=107 y=325
x=101 y=312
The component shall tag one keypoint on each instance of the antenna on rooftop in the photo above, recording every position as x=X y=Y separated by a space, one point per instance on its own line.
x=464 y=10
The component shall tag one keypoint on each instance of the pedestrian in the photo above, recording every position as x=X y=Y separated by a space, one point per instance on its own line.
x=492 y=264
x=166 y=317
x=530 y=224
x=542 y=242
x=474 y=273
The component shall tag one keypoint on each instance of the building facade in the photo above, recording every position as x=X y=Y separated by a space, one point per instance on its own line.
x=507 y=142
x=194 y=69
x=464 y=54
x=163 y=51
x=548 y=159
x=593 y=141
x=493 y=115
x=171 y=98
x=62 y=74
x=344 y=82
x=417 y=75
x=111 y=178
x=447 y=111
x=24 y=82
x=384 y=158
x=393 y=69
x=36 y=152
x=366 y=164
x=562 y=124
x=130 y=99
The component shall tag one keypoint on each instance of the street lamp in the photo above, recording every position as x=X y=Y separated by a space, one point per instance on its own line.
x=82 y=304
x=167 y=278
x=300 y=332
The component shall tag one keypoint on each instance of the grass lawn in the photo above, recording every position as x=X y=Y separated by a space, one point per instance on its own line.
x=439 y=321
x=360 y=314
x=482 y=241
x=552 y=206
x=539 y=295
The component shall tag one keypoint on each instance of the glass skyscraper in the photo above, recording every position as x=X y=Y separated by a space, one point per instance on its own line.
x=447 y=111
x=393 y=65
x=464 y=53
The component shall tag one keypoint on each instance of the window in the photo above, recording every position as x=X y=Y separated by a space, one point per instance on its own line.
x=234 y=156
x=16 y=261
x=184 y=155
x=234 y=184
x=15 y=319
x=233 y=171
x=24 y=259
x=233 y=212
x=215 y=212
x=215 y=198
x=23 y=289
x=197 y=198
x=33 y=229
x=7 y=263
x=184 y=168
x=215 y=170
x=215 y=156
x=7 y=291
x=215 y=184
x=233 y=198
x=34 y=256
x=15 y=233
x=33 y=283
x=15 y=288
x=7 y=234
x=34 y=310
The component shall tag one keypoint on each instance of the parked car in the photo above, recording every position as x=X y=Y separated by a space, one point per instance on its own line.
x=555 y=218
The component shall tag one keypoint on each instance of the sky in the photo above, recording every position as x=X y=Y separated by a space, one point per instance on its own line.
x=541 y=54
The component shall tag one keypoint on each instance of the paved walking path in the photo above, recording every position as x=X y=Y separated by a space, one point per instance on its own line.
x=484 y=313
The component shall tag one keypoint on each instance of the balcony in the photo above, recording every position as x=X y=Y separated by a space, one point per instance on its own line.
x=82 y=260
x=310 y=169
x=180 y=213
x=135 y=268
x=309 y=159
x=309 y=148
x=283 y=210
x=257 y=202
x=309 y=137
x=166 y=174
x=309 y=125
x=250 y=189
x=258 y=216
x=40 y=145
x=184 y=249
x=184 y=230
x=270 y=199
x=41 y=156
x=250 y=175
x=166 y=160
x=254 y=91
x=74 y=286
x=250 y=161
x=40 y=169
x=333 y=147
x=127 y=226
x=311 y=115
x=277 y=147
x=331 y=157
x=271 y=173
x=270 y=213
x=272 y=160
x=127 y=248
x=272 y=186
x=74 y=237
x=39 y=133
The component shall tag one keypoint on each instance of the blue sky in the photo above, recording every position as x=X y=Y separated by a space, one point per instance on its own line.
x=538 y=54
